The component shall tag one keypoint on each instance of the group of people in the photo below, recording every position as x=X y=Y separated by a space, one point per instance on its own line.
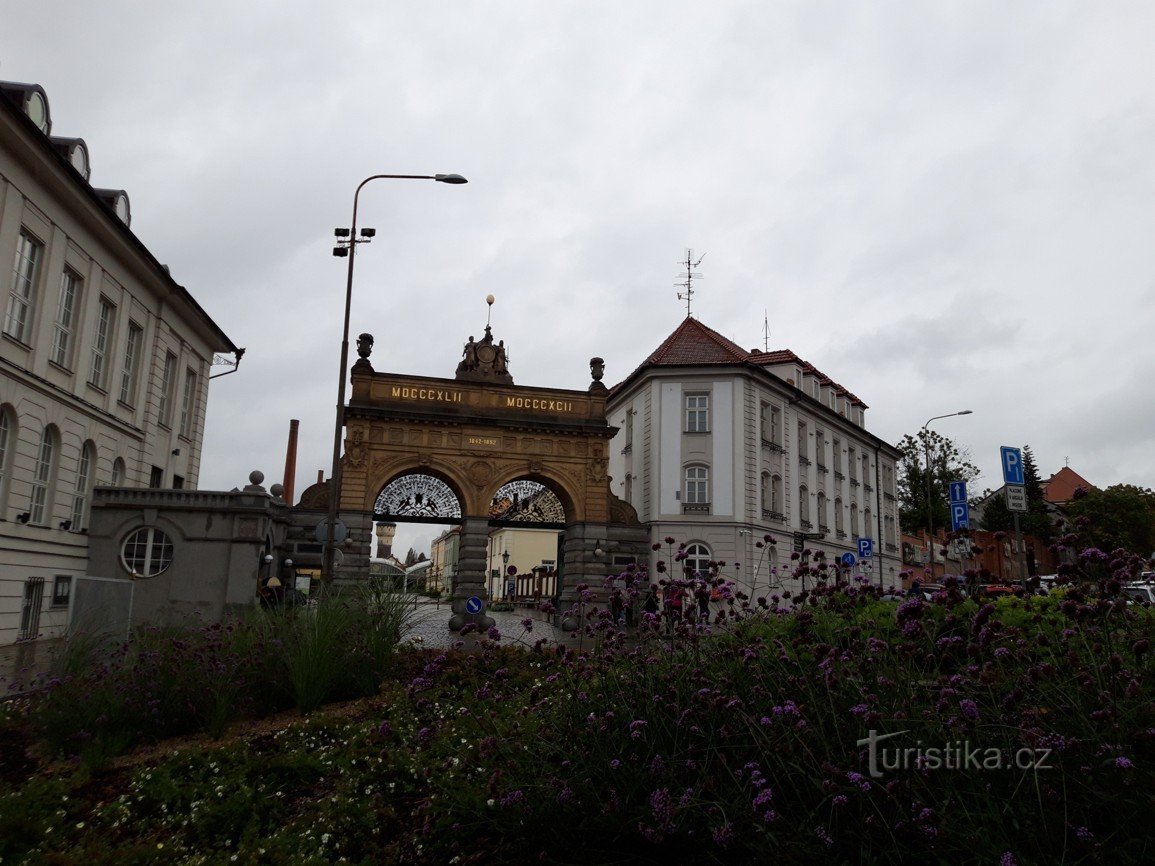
x=673 y=603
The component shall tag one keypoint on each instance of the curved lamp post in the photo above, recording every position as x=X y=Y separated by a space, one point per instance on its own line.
x=347 y=246
x=929 y=511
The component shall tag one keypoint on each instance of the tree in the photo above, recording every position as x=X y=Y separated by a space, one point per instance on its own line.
x=1120 y=516
x=1038 y=520
x=411 y=558
x=947 y=463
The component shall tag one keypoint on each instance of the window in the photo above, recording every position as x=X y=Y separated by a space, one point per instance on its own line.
x=128 y=375
x=628 y=489
x=65 y=319
x=18 y=322
x=867 y=527
x=766 y=495
x=803 y=443
x=839 y=527
x=156 y=477
x=804 y=507
x=854 y=520
x=167 y=387
x=776 y=503
x=101 y=342
x=61 y=590
x=820 y=447
x=836 y=458
x=822 y=511
x=833 y=399
x=697 y=558
x=147 y=552
x=178 y=482
x=775 y=425
x=83 y=486
x=697 y=485
x=118 y=472
x=852 y=464
x=7 y=438
x=188 y=403
x=697 y=413
x=43 y=471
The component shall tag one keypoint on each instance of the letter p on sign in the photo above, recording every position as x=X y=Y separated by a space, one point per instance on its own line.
x=1012 y=465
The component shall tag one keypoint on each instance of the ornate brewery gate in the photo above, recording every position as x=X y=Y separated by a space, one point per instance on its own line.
x=479 y=451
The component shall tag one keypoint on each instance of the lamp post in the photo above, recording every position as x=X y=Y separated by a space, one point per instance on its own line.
x=348 y=247
x=505 y=571
x=929 y=511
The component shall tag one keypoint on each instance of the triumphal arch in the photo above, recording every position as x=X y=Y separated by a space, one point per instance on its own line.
x=479 y=451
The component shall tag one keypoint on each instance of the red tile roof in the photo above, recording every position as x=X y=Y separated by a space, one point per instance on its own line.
x=692 y=344
x=1060 y=487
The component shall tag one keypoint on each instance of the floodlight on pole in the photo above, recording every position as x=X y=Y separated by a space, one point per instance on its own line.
x=348 y=248
x=929 y=511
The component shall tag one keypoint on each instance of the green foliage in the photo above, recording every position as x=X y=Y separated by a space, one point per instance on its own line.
x=1120 y=516
x=947 y=463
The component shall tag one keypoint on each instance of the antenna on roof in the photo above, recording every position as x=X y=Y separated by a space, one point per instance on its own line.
x=765 y=331
x=688 y=282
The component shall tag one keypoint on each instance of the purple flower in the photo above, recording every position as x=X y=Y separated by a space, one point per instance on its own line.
x=723 y=835
x=1124 y=763
x=969 y=709
x=636 y=729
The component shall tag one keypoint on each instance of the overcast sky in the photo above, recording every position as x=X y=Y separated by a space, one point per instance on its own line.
x=940 y=205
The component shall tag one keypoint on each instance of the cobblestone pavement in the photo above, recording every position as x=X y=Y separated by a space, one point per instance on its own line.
x=430 y=627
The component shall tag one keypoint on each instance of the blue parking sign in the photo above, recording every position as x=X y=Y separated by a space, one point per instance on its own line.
x=960 y=517
x=865 y=548
x=1012 y=465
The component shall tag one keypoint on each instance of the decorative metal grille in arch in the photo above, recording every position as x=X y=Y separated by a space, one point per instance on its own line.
x=526 y=501
x=417 y=496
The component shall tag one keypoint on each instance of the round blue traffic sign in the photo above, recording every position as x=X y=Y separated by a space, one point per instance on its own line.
x=848 y=559
x=473 y=604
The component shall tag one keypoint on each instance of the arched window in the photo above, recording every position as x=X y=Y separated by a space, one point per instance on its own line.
x=43 y=473
x=804 y=507
x=118 y=472
x=777 y=505
x=147 y=552
x=7 y=448
x=84 y=468
x=697 y=486
x=697 y=558
x=822 y=510
x=767 y=495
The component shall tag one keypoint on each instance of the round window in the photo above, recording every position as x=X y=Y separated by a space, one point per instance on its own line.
x=147 y=552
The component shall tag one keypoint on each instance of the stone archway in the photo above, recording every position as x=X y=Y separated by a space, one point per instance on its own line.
x=477 y=432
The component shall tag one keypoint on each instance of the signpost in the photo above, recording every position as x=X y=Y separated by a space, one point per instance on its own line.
x=960 y=515
x=1014 y=476
x=865 y=548
x=473 y=604
x=848 y=559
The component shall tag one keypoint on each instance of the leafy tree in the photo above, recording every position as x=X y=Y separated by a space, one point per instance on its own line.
x=947 y=463
x=1120 y=516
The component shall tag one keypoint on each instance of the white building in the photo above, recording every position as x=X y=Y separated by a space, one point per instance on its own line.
x=718 y=446
x=104 y=365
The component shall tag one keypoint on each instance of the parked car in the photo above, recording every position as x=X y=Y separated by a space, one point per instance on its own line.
x=1142 y=591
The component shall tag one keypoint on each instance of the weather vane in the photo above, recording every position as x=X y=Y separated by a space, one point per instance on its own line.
x=688 y=282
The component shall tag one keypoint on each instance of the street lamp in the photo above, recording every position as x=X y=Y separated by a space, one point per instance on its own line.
x=929 y=512
x=505 y=571
x=347 y=246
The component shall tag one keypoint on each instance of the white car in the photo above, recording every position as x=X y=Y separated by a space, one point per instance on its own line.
x=1142 y=591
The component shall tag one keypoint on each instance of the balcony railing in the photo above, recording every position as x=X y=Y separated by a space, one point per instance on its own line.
x=841 y=533
x=776 y=516
x=806 y=524
x=773 y=446
x=822 y=527
x=695 y=507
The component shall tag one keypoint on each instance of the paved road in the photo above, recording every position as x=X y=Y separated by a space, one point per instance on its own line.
x=431 y=627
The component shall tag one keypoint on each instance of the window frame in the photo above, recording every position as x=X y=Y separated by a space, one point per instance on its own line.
x=188 y=403
x=26 y=268
x=61 y=600
x=154 y=539
x=167 y=390
x=130 y=373
x=699 y=485
x=43 y=474
x=9 y=433
x=102 y=341
x=701 y=413
x=85 y=464
x=71 y=288
x=698 y=557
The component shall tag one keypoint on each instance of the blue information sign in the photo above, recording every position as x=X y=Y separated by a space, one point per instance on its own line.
x=848 y=559
x=1012 y=465
x=473 y=604
x=958 y=491
x=865 y=548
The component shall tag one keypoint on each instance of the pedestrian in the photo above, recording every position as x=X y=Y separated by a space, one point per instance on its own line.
x=703 y=604
x=650 y=604
x=616 y=606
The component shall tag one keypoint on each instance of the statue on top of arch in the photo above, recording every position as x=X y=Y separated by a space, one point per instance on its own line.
x=482 y=361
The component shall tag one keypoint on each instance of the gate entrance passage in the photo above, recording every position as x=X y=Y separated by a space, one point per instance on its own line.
x=481 y=452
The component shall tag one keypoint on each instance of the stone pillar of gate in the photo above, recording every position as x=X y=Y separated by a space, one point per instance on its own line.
x=470 y=582
x=582 y=567
x=355 y=552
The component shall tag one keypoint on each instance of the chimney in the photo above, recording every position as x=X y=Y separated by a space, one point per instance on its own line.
x=289 y=481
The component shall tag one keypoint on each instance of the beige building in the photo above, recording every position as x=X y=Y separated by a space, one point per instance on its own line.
x=104 y=367
x=521 y=548
x=718 y=446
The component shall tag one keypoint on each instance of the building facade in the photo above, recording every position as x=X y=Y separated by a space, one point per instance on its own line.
x=104 y=363
x=718 y=447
